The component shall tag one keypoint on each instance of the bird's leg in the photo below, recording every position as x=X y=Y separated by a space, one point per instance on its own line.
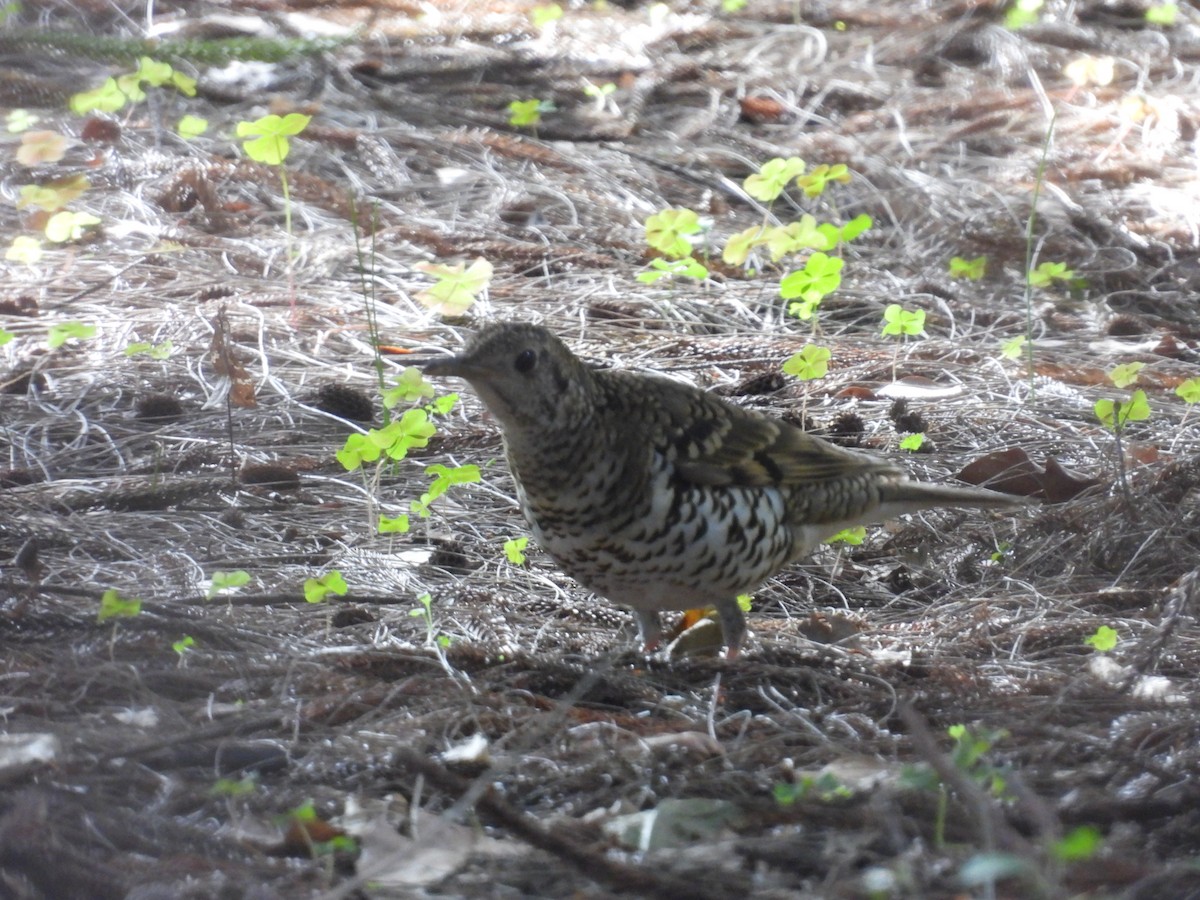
x=649 y=629
x=733 y=624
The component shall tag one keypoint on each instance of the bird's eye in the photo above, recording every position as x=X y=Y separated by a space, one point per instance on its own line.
x=525 y=361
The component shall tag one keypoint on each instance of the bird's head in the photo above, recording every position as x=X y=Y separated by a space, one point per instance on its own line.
x=524 y=375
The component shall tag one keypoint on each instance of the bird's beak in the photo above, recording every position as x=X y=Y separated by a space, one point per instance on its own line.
x=455 y=366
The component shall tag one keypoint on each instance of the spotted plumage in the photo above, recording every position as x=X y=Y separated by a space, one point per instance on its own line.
x=659 y=496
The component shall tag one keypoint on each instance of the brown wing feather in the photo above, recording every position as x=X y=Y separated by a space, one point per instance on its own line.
x=716 y=443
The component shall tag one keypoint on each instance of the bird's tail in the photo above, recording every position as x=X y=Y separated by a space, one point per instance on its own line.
x=909 y=496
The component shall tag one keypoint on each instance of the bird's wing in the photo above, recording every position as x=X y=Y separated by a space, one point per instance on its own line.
x=713 y=442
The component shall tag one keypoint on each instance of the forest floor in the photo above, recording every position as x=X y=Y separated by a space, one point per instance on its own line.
x=968 y=704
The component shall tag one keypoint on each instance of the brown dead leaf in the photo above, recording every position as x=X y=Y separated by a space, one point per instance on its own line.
x=241 y=388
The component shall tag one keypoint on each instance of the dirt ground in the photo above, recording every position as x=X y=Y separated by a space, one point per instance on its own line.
x=919 y=716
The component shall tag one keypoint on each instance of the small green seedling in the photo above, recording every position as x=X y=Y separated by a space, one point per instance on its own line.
x=114 y=606
x=411 y=431
x=425 y=611
x=528 y=113
x=19 y=120
x=1022 y=13
x=191 y=127
x=853 y=536
x=443 y=479
x=1014 y=348
x=772 y=178
x=457 y=286
x=1189 y=391
x=231 y=787
x=809 y=363
x=807 y=287
x=1115 y=414
x=69 y=226
x=904 y=322
x=128 y=88
x=410 y=386
x=1125 y=375
x=601 y=93
x=814 y=183
x=972 y=269
x=541 y=16
x=317 y=589
x=52 y=196
x=514 y=550
x=5 y=336
x=823 y=789
x=1103 y=639
x=226 y=581
x=745 y=602
x=268 y=140
x=154 y=351
x=65 y=331
x=687 y=267
x=24 y=250
x=912 y=442
x=1077 y=845
x=1162 y=14
x=1049 y=272
x=183 y=645
x=394 y=525
x=732 y=6
x=667 y=231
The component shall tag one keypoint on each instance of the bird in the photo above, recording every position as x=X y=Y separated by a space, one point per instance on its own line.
x=658 y=495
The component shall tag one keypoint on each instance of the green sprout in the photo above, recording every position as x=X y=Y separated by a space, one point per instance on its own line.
x=230 y=787
x=1114 y=414
x=5 y=336
x=128 y=88
x=1014 y=348
x=814 y=183
x=1162 y=14
x=807 y=287
x=901 y=321
x=1022 y=13
x=853 y=536
x=1189 y=391
x=425 y=611
x=69 y=226
x=745 y=602
x=444 y=478
x=1125 y=375
x=191 y=127
x=317 y=589
x=1079 y=844
x=528 y=113
x=1103 y=640
x=972 y=269
x=541 y=16
x=114 y=606
x=912 y=442
x=773 y=177
x=809 y=363
x=154 y=351
x=183 y=645
x=65 y=331
x=457 y=286
x=25 y=250
x=667 y=231
x=394 y=524
x=1049 y=272
x=514 y=550
x=687 y=267
x=226 y=581
x=267 y=140
x=411 y=431
x=19 y=120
